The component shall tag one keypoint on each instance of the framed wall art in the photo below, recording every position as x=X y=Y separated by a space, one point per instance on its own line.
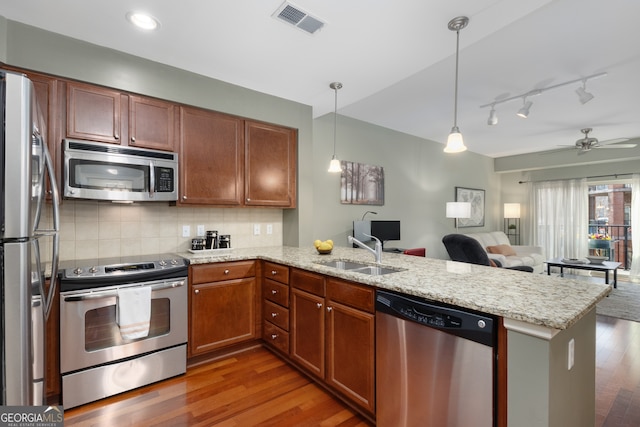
x=361 y=184
x=476 y=198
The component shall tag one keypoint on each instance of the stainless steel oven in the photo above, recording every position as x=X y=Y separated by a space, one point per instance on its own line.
x=95 y=360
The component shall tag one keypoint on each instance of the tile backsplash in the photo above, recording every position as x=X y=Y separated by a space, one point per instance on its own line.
x=91 y=229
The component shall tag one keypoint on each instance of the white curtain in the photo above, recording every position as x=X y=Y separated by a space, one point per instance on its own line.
x=559 y=220
x=634 y=273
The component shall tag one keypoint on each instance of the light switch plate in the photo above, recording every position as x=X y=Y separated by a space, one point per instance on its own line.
x=256 y=229
x=186 y=231
x=269 y=228
x=200 y=230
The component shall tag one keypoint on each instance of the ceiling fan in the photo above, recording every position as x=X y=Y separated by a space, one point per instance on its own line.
x=584 y=145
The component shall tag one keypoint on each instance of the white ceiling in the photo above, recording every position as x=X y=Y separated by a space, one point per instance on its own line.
x=396 y=59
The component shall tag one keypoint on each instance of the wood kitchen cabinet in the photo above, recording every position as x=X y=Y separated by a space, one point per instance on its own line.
x=107 y=115
x=223 y=299
x=94 y=113
x=275 y=294
x=270 y=162
x=333 y=334
x=211 y=158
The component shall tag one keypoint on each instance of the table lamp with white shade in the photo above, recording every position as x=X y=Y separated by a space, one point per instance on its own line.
x=458 y=210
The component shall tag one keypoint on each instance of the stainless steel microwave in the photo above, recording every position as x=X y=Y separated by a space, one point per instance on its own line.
x=100 y=171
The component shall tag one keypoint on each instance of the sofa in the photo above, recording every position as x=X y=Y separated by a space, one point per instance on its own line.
x=500 y=250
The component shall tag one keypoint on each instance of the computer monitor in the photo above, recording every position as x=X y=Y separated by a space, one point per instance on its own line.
x=385 y=230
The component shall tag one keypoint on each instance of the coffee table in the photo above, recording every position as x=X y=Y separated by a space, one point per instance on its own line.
x=605 y=267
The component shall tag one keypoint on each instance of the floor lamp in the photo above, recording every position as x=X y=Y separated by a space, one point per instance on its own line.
x=512 y=221
x=458 y=210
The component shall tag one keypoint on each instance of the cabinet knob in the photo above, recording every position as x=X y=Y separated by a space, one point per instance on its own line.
x=274 y=336
x=184 y=197
x=274 y=291
x=319 y=305
x=226 y=272
x=248 y=200
x=274 y=315
x=116 y=136
x=273 y=272
x=133 y=139
x=197 y=291
x=329 y=308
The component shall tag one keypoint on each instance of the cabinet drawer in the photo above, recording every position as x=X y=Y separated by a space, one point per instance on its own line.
x=310 y=282
x=222 y=271
x=276 y=337
x=353 y=295
x=277 y=272
x=276 y=292
x=276 y=314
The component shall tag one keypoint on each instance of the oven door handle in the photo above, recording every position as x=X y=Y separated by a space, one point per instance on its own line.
x=114 y=293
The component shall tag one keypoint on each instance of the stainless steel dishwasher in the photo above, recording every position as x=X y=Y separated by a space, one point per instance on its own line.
x=435 y=364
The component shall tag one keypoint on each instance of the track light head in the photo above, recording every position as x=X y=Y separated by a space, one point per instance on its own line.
x=493 y=118
x=524 y=111
x=583 y=95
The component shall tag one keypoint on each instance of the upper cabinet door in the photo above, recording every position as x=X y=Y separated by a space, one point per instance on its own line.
x=152 y=123
x=211 y=158
x=270 y=162
x=94 y=113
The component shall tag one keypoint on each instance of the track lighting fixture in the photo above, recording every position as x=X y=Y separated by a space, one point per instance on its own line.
x=583 y=97
x=334 y=165
x=493 y=118
x=455 y=143
x=524 y=111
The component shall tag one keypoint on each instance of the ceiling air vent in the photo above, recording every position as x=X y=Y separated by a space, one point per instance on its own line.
x=297 y=17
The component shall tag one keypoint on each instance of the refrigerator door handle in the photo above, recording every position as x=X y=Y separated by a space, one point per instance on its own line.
x=53 y=284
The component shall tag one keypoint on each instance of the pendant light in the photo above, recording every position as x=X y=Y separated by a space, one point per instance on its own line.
x=455 y=144
x=334 y=166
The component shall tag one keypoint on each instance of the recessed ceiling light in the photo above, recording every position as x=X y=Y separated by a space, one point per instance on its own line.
x=143 y=20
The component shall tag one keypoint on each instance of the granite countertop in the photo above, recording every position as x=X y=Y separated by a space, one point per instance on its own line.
x=537 y=299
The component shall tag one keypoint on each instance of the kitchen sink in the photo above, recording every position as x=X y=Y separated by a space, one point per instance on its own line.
x=359 y=267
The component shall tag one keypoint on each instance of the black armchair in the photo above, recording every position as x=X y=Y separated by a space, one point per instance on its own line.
x=467 y=249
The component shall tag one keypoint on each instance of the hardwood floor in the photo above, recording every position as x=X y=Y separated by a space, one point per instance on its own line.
x=617 y=372
x=247 y=389
x=257 y=388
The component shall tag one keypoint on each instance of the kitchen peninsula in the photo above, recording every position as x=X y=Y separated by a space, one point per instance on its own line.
x=550 y=322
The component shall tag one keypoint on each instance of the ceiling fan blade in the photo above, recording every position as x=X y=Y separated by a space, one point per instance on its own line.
x=616 y=146
x=612 y=141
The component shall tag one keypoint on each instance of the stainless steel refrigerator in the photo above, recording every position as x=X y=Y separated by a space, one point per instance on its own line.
x=29 y=242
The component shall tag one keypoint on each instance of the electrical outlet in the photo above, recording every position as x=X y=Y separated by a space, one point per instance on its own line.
x=269 y=228
x=200 y=230
x=256 y=229
x=571 y=353
x=186 y=231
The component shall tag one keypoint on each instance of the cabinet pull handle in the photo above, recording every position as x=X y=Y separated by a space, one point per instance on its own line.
x=329 y=308
x=274 y=336
x=226 y=272
x=133 y=139
x=319 y=305
x=274 y=315
x=274 y=291
x=197 y=291
x=273 y=272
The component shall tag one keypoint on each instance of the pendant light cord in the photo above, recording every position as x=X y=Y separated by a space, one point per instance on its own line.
x=335 y=119
x=455 y=99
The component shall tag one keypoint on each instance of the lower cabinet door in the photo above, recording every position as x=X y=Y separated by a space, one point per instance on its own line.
x=307 y=331
x=351 y=353
x=223 y=313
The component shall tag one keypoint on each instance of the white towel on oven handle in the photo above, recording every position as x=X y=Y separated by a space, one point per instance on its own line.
x=134 y=312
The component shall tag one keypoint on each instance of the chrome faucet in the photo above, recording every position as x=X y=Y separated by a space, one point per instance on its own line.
x=377 y=252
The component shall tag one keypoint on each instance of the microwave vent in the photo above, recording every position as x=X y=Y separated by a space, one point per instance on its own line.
x=293 y=15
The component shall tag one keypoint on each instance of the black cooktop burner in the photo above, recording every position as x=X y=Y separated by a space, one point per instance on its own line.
x=89 y=274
